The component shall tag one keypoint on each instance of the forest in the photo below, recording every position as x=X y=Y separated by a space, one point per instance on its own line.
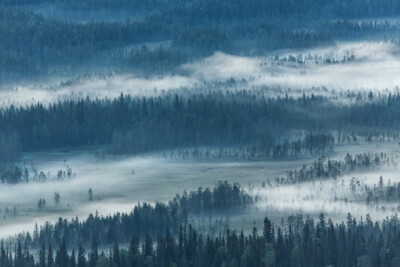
x=303 y=242
x=37 y=45
x=144 y=220
x=232 y=133
x=135 y=125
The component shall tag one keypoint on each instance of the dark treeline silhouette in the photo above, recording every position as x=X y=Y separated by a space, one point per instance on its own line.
x=145 y=218
x=326 y=169
x=222 y=197
x=382 y=192
x=136 y=125
x=14 y=174
x=311 y=144
x=299 y=243
x=378 y=193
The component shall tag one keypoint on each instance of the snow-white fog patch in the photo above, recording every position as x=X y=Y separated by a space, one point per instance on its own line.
x=336 y=198
x=345 y=66
x=110 y=87
x=118 y=184
x=221 y=67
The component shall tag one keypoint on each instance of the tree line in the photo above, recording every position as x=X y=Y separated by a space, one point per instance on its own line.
x=310 y=144
x=132 y=125
x=14 y=174
x=378 y=193
x=35 y=44
x=144 y=218
x=323 y=168
x=301 y=242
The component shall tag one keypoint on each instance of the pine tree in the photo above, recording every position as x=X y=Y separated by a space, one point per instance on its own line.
x=19 y=261
x=267 y=231
x=42 y=256
x=115 y=255
x=3 y=256
x=72 y=261
x=81 y=257
x=50 y=257
x=93 y=255
x=62 y=255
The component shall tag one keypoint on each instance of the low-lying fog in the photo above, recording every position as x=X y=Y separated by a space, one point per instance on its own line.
x=333 y=197
x=356 y=66
x=119 y=183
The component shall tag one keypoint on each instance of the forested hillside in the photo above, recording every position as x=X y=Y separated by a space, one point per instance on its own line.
x=302 y=242
x=196 y=133
x=135 y=125
x=37 y=45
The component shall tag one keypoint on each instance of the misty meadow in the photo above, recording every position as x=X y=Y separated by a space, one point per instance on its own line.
x=199 y=133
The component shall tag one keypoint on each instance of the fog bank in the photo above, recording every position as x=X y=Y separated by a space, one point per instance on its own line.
x=345 y=66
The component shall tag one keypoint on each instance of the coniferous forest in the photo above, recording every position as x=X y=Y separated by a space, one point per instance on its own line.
x=232 y=133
